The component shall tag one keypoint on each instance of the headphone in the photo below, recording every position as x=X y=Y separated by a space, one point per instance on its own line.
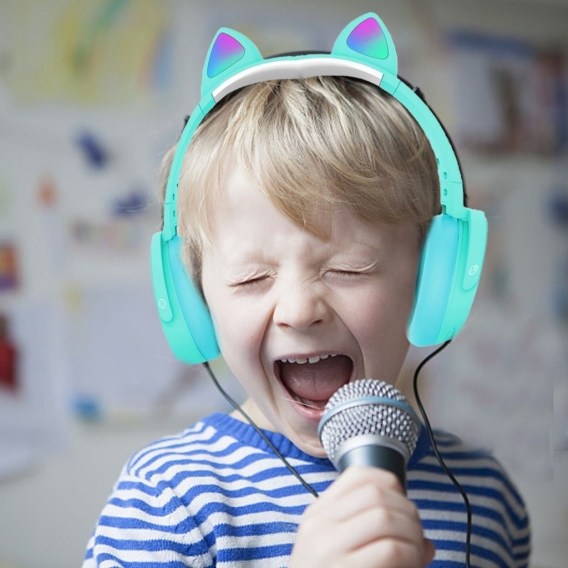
x=454 y=248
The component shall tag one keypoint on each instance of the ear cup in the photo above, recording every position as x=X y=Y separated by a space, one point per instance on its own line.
x=448 y=277
x=185 y=319
x=434 y=282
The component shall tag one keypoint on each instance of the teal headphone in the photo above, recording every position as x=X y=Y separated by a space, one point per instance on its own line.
x=454 y=249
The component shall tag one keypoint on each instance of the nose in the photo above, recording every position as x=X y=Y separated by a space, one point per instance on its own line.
x=301 y=306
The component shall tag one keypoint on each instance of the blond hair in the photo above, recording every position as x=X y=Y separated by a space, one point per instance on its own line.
x=311 y=145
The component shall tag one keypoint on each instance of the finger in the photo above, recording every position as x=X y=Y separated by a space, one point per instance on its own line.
x=372 y=498
x=352 y=524
x=386 y=552
x=352 y=499
x=329 y=541
x=429 y=552
x=352 y=480
x=379 y=524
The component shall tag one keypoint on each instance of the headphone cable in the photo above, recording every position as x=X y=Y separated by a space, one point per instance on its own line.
x=439 y=456
x=237 y=407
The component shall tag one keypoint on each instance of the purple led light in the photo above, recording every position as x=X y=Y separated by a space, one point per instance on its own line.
x=368 y=38
x=225 y=52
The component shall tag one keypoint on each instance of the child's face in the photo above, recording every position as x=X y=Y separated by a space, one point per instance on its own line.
x=277 y=294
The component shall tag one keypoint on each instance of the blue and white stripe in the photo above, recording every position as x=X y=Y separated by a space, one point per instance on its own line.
x=216 y=495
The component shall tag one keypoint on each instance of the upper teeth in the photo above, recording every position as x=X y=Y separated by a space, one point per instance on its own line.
x=303 y=360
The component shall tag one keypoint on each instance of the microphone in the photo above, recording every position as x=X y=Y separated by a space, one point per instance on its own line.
x=369 y=423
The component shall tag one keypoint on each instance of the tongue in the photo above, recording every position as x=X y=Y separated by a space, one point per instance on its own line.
x=316 y=382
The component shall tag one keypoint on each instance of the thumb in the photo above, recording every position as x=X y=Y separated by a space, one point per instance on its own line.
x=429 y=552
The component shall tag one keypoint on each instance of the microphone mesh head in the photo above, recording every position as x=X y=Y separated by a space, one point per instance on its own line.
x=351 y=412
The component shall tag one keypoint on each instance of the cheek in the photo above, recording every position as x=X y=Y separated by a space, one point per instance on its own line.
x=238 y=329
x=382 y=319
x=387 y=306
x=232 y=332
x=379 y=324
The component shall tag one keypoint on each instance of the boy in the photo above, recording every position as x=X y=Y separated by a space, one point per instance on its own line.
x=303 y=210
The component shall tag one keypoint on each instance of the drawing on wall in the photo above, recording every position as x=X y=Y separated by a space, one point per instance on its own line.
x=9 y=379
x=33 y=414
x=93 y=149
x=113 y=51
x=510 y=96
x=9 y=277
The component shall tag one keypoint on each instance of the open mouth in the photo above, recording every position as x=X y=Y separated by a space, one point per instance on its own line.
x=312 y=381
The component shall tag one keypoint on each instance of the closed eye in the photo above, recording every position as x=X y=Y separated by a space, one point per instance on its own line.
x=348 y=273
x=251 y=281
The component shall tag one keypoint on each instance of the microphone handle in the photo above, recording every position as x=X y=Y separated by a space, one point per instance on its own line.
x=374 y=456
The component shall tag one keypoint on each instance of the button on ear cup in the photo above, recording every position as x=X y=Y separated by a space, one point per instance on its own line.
x=435 y=282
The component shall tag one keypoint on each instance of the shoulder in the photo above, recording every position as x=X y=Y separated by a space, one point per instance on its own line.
x=151 y=501
x=500 y=520
x=200 y=442
x=477 y=469
x=166 y=475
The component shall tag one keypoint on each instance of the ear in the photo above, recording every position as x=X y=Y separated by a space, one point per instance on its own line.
x=229 y=53
x=368 y=40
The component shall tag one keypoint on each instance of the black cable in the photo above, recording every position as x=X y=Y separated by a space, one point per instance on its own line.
x=437 y=453
x=237 y=407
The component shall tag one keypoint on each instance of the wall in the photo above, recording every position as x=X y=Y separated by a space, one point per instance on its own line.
x=50 y=502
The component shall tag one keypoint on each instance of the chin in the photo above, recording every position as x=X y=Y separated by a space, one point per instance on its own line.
x=311 y=446
x=316 y=452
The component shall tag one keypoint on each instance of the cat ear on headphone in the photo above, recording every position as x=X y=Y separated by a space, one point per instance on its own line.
x=229 y=52
x=368 y=39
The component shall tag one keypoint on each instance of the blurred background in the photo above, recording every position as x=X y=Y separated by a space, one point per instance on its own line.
x=93 y=92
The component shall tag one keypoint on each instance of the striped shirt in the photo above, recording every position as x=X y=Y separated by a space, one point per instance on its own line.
x=216 y=495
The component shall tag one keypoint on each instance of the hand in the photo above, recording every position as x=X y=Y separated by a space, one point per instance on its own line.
x=363 y=520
